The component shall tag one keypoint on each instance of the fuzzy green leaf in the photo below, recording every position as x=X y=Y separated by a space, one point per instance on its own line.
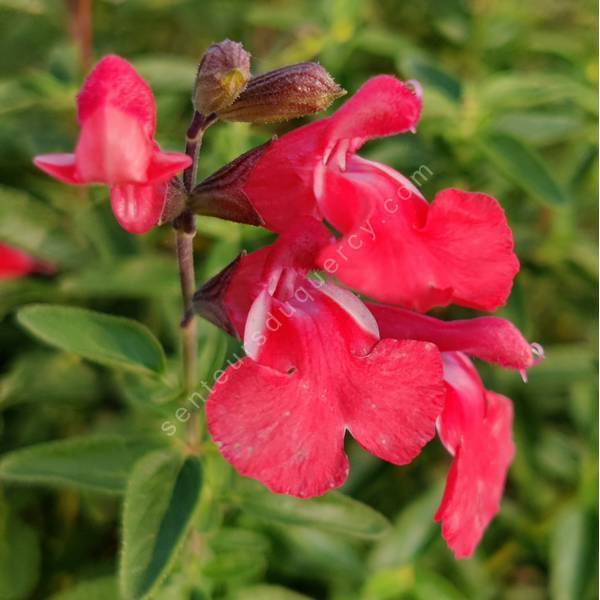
x=161 y=498
x=97 y=463
x=105 y=339
x=333 y=512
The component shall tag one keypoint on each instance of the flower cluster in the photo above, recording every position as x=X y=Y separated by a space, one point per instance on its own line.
x=320 y=360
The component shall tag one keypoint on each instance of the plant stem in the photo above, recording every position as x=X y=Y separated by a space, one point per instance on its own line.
x=184 y=239
x=185 y=230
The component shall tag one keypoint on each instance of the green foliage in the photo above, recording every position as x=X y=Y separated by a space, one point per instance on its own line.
x=97 y=463
x=107 y=340
x=333 y=512
x=88 y=417
x=159 y=503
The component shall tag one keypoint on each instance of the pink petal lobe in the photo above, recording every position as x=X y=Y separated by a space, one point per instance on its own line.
x=137 y=208
x=470 y=238
x=113 y=148
x=476 y=479
x=491 y=339
x=113 y=81
x=465 y=405
x=401 y=395
x=164 y=165
x=59 y=166
x=383 y=106
x=458 y=250
x=283 y=430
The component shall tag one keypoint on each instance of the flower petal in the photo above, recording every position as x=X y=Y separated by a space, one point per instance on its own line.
x=14 y=263
x=465 y=405
x=114 y=82
x=476 y=479
x=137 y=208
x=281 y=417
x=491 y=339
x=283 y=430
x=396 y=249
x=113 y=148
x=280 y=185
x=164 y=165
x=393 y=397
x=283 y=183
x=59 y=166
x=382 y=106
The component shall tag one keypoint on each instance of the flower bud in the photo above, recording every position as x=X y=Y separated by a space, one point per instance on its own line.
x=222 y=75
x=283 y=94
x=222 y=193
x=209 y=300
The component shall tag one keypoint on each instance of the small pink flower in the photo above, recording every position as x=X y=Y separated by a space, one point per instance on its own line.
x=116 y=147
x=315 y=368
x=395 y=246
x=15 y=263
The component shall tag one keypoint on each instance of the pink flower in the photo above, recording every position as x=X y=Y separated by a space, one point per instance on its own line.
x=395 y=246
x=116 y=147
x=476 y=424
x=476 y=428
x=15 y=263
x=315 y=367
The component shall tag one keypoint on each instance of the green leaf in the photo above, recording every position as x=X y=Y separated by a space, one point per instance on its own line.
x=19 y=558
x=571 y=553
x=98 y=463
x=430 y=75
x=49 y=377
x=161 y=497
x=413 y=528
x=267 y=592
x=34 y=227
x=151 y=275
x=525 y=168
x=333 y=512
x=537 y=127
x=105 y=339
x=102 y=588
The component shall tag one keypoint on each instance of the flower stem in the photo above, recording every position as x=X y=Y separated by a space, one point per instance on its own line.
x=185 y=230
x=184 y=238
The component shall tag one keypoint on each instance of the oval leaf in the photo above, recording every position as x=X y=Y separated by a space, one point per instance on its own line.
x=523 y=167
x=333 y=512
x=105 y=339
x=95 y=463
x=161 y=497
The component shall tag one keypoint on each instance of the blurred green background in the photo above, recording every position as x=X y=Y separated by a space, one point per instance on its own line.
x=510 y=92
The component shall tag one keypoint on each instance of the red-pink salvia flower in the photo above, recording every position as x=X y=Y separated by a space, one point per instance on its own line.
x=116 y=147
x=315 y=367
x=15 y=263
x=476 y=424
x=395 y=247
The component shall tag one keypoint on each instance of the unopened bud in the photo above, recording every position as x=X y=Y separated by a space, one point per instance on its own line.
x=283 y=94
x=222 y=193
x=222 y=75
